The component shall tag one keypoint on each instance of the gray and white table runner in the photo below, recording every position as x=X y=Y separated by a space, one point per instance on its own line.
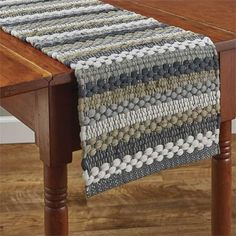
x=148 y=92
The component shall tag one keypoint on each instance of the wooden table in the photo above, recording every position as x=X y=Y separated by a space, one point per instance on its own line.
x=42 y=93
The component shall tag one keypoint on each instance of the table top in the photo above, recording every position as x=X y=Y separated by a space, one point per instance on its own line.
x=24 y=68
x=214 y=18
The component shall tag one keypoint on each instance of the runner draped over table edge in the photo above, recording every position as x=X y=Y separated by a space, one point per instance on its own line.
x=148 y=92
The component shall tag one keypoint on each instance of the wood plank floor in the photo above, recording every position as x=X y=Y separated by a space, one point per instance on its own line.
x=174 y=202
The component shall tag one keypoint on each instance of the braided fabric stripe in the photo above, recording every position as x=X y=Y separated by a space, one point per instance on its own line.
x=148 y=92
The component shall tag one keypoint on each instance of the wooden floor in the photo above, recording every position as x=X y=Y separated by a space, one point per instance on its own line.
x=175 y=202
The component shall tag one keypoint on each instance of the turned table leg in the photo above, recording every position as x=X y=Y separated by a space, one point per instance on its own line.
x=221 y=185
x=55 y=196
x=55 y=144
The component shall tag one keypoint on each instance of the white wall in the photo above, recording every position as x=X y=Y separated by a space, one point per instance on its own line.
x=13 y=131
x=234 y=126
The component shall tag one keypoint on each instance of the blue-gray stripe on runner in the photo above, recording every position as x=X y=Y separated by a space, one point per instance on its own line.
x=149 y=140
x=125 y=177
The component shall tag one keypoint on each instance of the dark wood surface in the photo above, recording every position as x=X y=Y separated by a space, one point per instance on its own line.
x=175 y=202
x=55 y=198
x=222 y=184
x=215 y=18
x=228 y=84
x=33 y=55
x=11 y=78
x=27 y=60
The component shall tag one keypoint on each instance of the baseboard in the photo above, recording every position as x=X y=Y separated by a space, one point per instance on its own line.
x=14 y=131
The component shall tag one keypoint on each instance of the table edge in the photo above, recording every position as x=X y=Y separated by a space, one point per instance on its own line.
x=69 y=77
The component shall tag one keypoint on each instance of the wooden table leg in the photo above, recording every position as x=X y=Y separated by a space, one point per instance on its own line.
x=221 y=185
x=55 y=196
x=55 y=144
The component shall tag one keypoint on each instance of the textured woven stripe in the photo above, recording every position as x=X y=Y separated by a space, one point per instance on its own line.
x=202 y=81
x=150 y=155
x=125 y=177
x=149 y=113
x=9 y=3
x=46 y=7
x=54 y=14
x=103 y=152
x=148 y=93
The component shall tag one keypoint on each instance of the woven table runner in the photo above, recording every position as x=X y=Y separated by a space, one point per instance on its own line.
x=148 y=92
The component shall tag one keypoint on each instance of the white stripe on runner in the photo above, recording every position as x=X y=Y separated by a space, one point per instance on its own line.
x=150 y=113
x=151 y=155
x=46 y=15
x=72 y=34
